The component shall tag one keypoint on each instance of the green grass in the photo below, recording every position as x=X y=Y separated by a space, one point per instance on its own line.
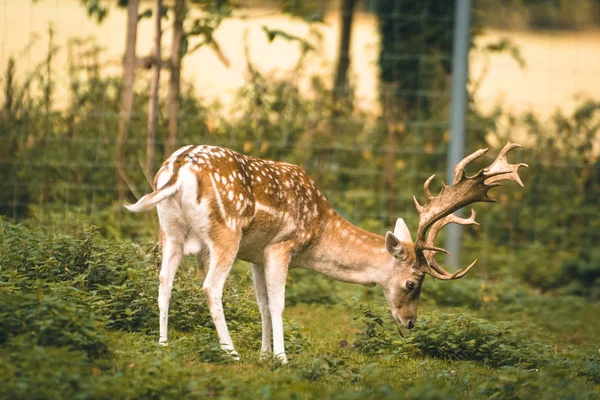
x=78 y=320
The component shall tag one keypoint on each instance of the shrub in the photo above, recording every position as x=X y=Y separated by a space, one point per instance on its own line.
x=458 y=336
x=470 y=293
x=52 y=280
x=582 y=274
x=308 y=287
x=51 y=320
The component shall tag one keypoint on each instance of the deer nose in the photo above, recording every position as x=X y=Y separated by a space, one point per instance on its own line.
x=410 y=325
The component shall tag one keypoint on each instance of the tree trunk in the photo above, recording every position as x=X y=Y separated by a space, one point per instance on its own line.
x=126 y=106
x=175 y=78
x=341 y=77
x=153 y=101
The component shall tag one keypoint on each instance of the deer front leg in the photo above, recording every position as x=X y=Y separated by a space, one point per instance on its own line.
x=277 y=258
x=221 y=261
x=262 y=298
x=171 y=256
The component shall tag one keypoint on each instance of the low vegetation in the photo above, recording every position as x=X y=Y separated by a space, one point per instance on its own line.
x=78 y=319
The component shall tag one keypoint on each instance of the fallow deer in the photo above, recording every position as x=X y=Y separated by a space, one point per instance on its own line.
x=222 y=205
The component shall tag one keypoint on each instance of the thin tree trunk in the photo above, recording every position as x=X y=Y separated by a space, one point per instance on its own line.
x=341 y=77
x=391 y=121
x=153 y=101
x=126 y=94
x=175 y=78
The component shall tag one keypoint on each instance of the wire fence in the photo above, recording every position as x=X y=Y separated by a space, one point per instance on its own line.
x=58 y=162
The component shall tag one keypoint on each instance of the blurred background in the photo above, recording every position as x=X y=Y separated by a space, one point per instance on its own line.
x=357 y=92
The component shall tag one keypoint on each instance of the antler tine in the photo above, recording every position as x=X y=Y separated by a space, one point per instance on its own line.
x=426 y=187
x=501 y=170
x=459 y=170
x=438 y=272
x=435 y=228
x=431 y=250
x=437 y=211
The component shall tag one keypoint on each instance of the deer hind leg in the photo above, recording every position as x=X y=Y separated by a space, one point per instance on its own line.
x=262 y=298
x=222 y=254
x=172 y=251
x=277 y=258
x=202 y=265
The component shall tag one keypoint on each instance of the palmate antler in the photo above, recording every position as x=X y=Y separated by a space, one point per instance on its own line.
x=437 y=210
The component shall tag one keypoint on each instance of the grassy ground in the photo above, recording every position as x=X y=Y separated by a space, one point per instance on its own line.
x=78 y=320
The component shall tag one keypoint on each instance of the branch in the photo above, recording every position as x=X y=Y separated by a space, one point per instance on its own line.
x=149 y=61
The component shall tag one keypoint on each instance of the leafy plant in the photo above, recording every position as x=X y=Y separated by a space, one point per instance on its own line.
x=457 y=336
x=51 y=321
x=308 y=287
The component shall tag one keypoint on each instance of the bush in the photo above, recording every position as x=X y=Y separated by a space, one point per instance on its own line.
x=308 y=287
x=52 y=321
x=472 y=293
x=583 y=274
x=457 y=336
x=66 y=290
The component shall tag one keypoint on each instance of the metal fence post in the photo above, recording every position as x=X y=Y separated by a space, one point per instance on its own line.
x=458 y=109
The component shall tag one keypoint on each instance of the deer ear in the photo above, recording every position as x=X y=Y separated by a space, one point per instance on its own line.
x=401 y=231
x=393 y=245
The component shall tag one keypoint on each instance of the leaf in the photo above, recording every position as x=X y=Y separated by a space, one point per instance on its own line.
x=147 y=13
x=272 y=34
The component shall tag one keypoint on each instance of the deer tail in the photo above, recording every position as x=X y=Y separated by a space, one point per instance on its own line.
x=150 y=200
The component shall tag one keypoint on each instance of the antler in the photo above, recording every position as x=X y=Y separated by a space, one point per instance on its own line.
x=437 y=210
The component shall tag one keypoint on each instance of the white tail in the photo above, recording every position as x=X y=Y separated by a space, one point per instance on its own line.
x=150 y=200
x=222 y=205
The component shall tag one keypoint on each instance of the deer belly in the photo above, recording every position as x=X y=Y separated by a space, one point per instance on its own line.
x=261 y=233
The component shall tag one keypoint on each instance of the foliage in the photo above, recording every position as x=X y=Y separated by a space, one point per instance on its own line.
x=458 y=336
x=411 y=28
x=58 y=163
x=63 y=289
x=309 y=287
x=582 y=274
x=65 y=332
x=51 y=321
x=538 y=14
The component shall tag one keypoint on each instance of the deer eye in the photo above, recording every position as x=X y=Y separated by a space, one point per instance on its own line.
x=410 y=285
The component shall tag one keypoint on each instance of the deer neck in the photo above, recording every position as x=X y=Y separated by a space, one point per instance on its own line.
x=350 y=254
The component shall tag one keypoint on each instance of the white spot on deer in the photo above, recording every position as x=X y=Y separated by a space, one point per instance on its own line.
x=218 y=197
x=230 y=195
x=224 y=180
x=231 y=178
x=261 y=207
x=241 y=196
x=258 y=179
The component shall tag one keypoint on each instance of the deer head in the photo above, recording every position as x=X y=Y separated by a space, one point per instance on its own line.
x=412 y=261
